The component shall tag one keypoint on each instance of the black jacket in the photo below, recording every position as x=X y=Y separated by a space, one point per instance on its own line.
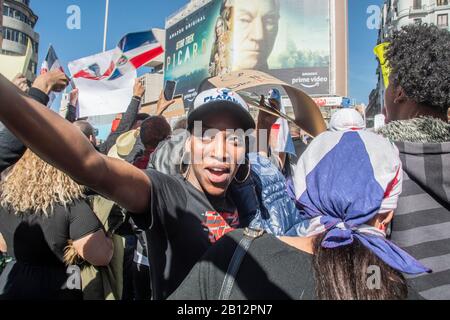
x=11 y=148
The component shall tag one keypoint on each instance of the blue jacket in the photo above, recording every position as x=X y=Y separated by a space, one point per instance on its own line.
x=263 y=201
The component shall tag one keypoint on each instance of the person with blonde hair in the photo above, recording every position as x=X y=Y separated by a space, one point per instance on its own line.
x=42 y=210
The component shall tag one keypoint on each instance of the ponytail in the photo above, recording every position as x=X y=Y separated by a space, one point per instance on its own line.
x=344 y=274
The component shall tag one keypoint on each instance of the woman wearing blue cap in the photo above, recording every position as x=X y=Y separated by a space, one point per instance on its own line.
x=346 y=187
x=185 y=213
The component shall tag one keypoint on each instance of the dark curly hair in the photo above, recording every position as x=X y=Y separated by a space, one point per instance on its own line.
x=154 y=130
x=419 y=57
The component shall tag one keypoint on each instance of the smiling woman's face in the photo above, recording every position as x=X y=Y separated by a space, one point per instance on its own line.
x=216 y=154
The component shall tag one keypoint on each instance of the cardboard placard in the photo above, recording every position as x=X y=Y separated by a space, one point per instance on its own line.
x=307 y=113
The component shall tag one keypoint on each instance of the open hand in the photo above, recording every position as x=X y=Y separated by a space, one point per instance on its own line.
x=265 y=119
x=138 y=89
x=54 y=80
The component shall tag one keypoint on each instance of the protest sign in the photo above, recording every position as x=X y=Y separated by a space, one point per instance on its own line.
x=307 y=113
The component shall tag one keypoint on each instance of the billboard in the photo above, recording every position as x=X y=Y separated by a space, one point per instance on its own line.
x=289 y=39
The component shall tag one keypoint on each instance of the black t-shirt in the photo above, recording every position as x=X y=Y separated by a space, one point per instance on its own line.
x=37 y=242
x=183 y=224
x=271 y=270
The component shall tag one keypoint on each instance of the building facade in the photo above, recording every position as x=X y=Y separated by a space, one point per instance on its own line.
x=1 y=23
x=396 y=14
x=18 y=25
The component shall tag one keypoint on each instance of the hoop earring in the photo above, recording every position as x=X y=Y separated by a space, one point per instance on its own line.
x=184 y=174
x=246 y=177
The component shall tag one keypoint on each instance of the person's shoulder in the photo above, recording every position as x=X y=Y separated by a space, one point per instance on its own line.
x=238 y=234
x=6 y=216
x=165 y=183
x=228 y=243
x=231 y=240
x=78 y=207
x=268 y=246
x=4 y=210
x=79 y=203
x=156 y=176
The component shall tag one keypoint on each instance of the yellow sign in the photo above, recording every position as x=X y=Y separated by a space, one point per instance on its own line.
x=380 y=51
x=10 y=66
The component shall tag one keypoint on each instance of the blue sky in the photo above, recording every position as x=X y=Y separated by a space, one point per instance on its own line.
x=135 y=15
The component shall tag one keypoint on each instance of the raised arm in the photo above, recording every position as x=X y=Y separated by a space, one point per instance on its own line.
x=264 y=125
x=69 y=110
x=11 y=148
x=64 y=146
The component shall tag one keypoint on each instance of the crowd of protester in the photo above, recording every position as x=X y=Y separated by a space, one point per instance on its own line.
x=161 y=212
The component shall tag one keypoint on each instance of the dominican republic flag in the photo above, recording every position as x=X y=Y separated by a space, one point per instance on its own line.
x=133 y=51
x=51 y=63
x=105 y=81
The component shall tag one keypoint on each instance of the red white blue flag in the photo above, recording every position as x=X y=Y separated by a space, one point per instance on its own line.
x=51 y=62
x=133 y=51
x=105 y=80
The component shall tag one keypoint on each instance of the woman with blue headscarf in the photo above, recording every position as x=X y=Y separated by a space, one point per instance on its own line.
x=346 y=188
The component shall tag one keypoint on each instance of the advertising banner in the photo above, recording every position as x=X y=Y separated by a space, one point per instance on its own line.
x=289 y=39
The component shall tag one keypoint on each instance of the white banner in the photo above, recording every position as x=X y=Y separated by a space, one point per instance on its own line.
x=101 y=97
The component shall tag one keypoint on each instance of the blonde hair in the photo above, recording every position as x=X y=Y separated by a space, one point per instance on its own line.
x=34 y=185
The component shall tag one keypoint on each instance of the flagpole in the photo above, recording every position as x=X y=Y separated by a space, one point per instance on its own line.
x=106 y=25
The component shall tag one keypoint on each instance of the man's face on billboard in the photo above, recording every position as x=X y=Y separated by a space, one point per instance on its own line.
x=255 y=32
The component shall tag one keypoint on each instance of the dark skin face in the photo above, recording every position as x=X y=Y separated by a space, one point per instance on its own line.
x=215 y=155
x=399 y=107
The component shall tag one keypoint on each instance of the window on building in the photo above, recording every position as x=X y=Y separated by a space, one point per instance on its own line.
x=7 y=11
x=442 y=2
x=32 y=67
x=16 y=14
x=417 y=4
x=19 y=37
x=417 y=21
x=35 y=47
x=442 y=20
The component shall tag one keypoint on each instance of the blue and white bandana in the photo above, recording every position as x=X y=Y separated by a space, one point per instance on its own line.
x=342 y=181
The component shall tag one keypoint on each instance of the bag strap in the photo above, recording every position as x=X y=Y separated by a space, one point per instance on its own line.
x=249 y=236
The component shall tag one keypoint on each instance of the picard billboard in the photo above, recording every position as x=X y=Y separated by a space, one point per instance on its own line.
x=289 y=39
